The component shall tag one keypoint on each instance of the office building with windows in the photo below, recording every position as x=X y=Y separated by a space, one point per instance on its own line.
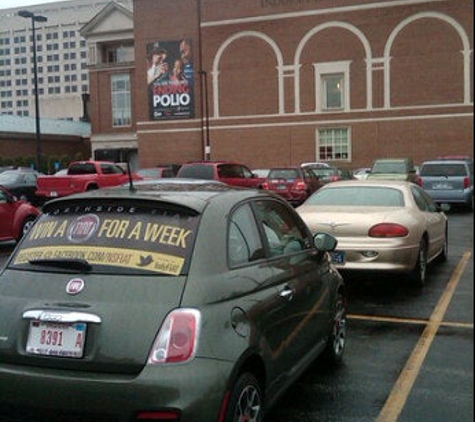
x=62 y=57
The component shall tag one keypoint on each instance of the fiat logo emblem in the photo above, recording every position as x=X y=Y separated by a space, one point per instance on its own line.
x=75 y=286
x=83 y=228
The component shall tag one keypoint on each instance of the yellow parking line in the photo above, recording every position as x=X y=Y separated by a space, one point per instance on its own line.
x=398 y=396
x=457 y=324
x=388 y=319
x=415 y=321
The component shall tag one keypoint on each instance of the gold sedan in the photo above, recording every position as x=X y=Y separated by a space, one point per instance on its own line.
x=391 y=226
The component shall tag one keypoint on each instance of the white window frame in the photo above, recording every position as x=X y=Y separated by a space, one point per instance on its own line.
x=334 y=144
x=121 y=101
x=92 y=56
x=323 y=70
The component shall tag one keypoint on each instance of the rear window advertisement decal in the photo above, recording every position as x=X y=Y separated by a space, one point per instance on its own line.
x=127 y=242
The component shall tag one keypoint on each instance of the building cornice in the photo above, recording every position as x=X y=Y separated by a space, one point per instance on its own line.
x=326 y=12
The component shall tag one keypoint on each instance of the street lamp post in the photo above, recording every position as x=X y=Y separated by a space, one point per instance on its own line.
x=204 y=94
x=35 y=18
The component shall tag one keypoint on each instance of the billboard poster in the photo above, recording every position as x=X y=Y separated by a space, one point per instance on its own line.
x=170 y=79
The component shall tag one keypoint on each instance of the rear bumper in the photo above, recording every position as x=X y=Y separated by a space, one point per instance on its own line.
x=294 y=197
x=195 y=389
x=402 y=259
x=451 y=196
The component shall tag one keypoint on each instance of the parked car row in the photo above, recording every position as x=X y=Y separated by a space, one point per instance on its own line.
x=391 y=192
x=447 y=180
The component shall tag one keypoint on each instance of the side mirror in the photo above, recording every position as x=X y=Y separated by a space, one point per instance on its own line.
x=324 y=242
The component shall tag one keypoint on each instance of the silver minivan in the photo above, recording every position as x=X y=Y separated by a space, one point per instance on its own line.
x=449 y=181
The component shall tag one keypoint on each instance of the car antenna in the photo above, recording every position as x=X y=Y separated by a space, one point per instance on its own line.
x=129 y=173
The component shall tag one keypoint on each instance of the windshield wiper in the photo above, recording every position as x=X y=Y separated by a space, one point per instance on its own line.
x=66 y=263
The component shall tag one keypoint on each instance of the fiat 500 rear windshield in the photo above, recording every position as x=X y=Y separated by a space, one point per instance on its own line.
x=110 y=239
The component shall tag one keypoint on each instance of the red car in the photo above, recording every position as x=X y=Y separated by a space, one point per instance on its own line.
x=156 y=172
x=231 y=173
x=16 y=216
x=295 y=184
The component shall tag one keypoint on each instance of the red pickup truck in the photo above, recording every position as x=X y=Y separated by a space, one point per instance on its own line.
x=82 y=176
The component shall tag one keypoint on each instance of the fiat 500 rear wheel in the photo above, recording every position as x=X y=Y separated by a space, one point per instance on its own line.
x=337 y=340
x=246 y=403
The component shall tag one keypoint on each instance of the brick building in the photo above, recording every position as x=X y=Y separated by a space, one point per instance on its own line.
x=280 y=82
x=60 y=140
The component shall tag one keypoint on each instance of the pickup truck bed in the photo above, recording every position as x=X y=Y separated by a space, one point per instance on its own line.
x=82 y=176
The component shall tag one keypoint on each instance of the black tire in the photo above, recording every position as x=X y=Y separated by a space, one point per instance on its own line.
x=246 y=402
x=445 y=251
x=419 y=273
x=26 y=226
x=336 y=344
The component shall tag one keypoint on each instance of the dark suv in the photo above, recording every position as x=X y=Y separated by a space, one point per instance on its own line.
x=235 y=174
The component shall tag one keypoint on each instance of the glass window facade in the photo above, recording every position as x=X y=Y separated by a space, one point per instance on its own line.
x=121 y=100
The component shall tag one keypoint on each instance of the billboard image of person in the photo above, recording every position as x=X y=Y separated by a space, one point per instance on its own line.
x=170 y=79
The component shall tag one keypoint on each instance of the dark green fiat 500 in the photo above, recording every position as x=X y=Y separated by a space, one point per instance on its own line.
x=182 y=302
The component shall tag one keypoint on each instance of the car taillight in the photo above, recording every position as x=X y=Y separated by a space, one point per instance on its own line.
x=300 y=185
x=388 y=230
x=177 y=339
x=419 y=181
x=265 y=185
x=334 y=178
x=466 y=182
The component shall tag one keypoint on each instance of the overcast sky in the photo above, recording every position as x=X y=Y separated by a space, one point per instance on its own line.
x=6 y=4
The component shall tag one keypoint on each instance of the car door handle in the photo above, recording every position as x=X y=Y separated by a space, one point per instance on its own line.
x=287 y=293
